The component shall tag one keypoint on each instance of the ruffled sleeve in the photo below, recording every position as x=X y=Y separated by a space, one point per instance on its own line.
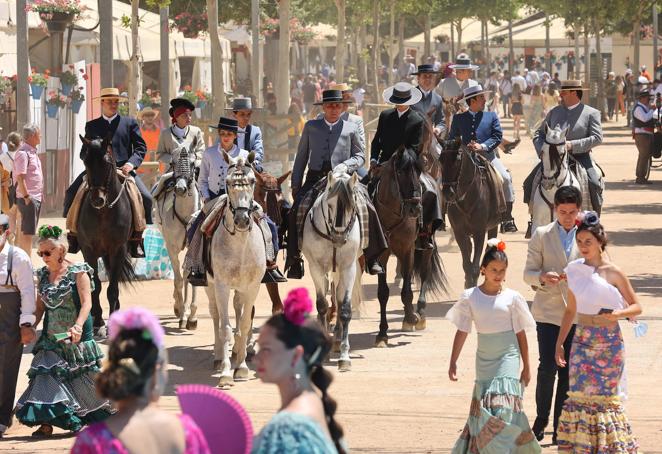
x=82 y=267
x=294 y=434
x=578 y=274
x=460 y=314
x=521 y=315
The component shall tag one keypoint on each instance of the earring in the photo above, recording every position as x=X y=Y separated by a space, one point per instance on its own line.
x=61 y=259
x=296 y=382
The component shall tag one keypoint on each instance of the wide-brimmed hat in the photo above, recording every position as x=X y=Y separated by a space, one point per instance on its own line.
x=329 y=96
x=178 y=104
x=342 y=86
x=402 y=94
x=148 y=112
x=425 y=69
x=463 y=61
x=228 y=124
x=473 y=91
x=572 y=85
x=645 y=92
x=111 y=93
x=241 y=103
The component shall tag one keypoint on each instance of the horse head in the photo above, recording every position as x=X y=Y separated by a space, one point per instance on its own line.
x=183 y=169
x=339 y=202
x=407 y=168
x=240 y=185
x=451 y=158
x=268 y=193
x=553 y=156
x=97 y=155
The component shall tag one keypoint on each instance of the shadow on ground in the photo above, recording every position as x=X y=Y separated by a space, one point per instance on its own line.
x=636 y=237
x=647 y=284
x=635 y=208
x=627 y=185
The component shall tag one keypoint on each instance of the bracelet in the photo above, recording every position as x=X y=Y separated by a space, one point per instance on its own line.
x=77 y=329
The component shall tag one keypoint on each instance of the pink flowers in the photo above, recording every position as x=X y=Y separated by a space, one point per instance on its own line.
x=297 y=306
x=136 y=318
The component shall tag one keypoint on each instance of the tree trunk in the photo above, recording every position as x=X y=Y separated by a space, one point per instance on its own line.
x=577 y=61
x=362 y=63
x=636 y=44
x=427 y=36
x=587 y=59
x=548 y=53
x=459 y=35
x=282 y=87
x=452 y=56
x=511 y=50
x=164 y=68
x=375 y=50
x=106 y=43
x=599 y=69
x=22 y=65
x=488 y=65
x=401 y=36
x=134 y=64
x=217 y=83
x=256 y=58
x=340 y=42
x=483 y=64
x=390 y=49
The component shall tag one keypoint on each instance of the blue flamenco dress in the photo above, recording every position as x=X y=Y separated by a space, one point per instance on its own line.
x=292 y=433
x=61 y=391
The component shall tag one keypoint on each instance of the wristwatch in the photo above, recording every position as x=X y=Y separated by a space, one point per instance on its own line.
x=26 y=325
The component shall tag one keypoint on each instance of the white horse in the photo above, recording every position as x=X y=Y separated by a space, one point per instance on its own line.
x=238 y=262
x=175 y=205
x=555 y=174
x=332 y=244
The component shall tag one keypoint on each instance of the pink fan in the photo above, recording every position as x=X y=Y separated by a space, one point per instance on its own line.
x=222 y=419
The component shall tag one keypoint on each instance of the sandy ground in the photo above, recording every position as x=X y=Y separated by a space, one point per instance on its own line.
x=399 y=399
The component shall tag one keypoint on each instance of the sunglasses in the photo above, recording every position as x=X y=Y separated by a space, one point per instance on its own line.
x=44 y=253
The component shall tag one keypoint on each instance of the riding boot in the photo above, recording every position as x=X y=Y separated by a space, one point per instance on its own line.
x=72 y=239
x=273 y=274
x=293 y=263
x=136 y=245
x=197 y=279
x=509 y=226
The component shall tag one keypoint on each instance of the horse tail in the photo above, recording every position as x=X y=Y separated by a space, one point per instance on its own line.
x=123 y=272
x=429 y=272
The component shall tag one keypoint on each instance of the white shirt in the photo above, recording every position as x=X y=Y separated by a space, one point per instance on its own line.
x=109 y=119
x=519 y=80
x=22 y=275
x=179 y=132
x=331 y=125
x=506 y=311
x=573 y=106
x=645 y=114
x=401 y=113
x=7 y=160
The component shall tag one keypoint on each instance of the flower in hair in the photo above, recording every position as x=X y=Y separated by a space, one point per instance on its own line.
x=136 y=318
x=496 y=243
x=297 y=306
x=591 y=218
x=49 y=231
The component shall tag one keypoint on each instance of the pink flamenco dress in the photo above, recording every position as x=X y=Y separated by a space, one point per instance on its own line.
x=593 y=419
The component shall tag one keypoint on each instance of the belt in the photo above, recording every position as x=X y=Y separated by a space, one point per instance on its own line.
x=593 y=320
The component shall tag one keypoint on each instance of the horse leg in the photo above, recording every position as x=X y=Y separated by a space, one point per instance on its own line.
x=244 y=300
x=179 y=307
x=407 y=295
x=274 y=295
x=398 y=274
x=223 y=332
x=479 y=242
x=97 y=311
x=213 y=312
x=192 y=321
x=113 y=291
x=344 y=293
x=464 y=242
x=421 y=304
x=332 y=314
x=320 y=280
x=382 y=295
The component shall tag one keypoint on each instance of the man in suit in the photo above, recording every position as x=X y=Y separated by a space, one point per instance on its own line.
x=346 y=114
x=249 y=137
x=451 y=88
x=431 y=104
x=550 y=249
x=584 y=133
x=481 y=132
x=326 y=144
x=128 y=150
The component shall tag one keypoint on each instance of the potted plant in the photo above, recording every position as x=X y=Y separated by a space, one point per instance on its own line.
x=68 y=80
x=190 y=25
x=54 y=102
x=76 y=97
x=5 y=88
x=57 y=14
x=38 y=82
x=202 y=98
x=145 y=100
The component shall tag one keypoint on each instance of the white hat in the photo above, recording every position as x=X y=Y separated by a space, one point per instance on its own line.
x=402 y=94
x=463 y=61
x=473 y=91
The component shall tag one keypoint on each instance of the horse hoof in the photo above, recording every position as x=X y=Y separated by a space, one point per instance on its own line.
x=408 y=327
x=381 y=342
x=218 y=364
x=182 y=324
x=241 y=374
x=101 y=332
x=344 y=365
x=421 y=325
x=332 y=328
x=225 y=382
x=336 y=347
x=192 y=325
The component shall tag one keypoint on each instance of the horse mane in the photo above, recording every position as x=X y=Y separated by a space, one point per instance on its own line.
x=343 y=190
x=409 y=159
x=554 y=155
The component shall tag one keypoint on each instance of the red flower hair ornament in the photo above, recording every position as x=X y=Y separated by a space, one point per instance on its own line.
x=297 y=305
x=496 y=243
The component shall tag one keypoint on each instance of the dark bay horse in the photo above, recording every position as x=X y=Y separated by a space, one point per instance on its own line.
x=105 y=223
x=398 y=204
x=269 y=195
x=466 y=190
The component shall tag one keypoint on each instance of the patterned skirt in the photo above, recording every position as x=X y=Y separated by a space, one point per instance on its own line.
x=593 y=419
x=497 y=423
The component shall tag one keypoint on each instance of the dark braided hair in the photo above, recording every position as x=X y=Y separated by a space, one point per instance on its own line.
x=591 y=223
x=316 y=346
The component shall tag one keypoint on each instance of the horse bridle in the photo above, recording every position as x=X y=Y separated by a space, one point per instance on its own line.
x=454 y=184
x=234 y=210
x=542 y=165
x=332 y=235
x=104 y=189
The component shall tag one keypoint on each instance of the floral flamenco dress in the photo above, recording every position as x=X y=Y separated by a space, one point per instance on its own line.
x=593 y=419
x=497 y=423
x=61 y=391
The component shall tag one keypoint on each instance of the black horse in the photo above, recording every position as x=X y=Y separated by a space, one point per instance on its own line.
x=105 y=223
x=472 y=209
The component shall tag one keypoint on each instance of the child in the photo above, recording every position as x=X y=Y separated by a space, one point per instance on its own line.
x=497 y=422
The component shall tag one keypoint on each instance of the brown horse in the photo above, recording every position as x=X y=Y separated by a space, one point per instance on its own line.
x=471 y=208
x=398 y=204
x=269 y=195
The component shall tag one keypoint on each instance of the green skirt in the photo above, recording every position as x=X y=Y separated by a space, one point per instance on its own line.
x=497 y=423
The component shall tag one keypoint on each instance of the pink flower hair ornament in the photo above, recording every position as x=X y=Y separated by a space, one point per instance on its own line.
x=297 y=306
x=137 y=318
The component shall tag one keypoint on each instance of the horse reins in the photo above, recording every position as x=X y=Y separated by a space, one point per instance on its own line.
x=554 y=177
x=112 y=170
x=455 y=183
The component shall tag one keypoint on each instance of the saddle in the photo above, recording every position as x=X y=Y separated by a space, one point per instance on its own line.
x=494 y=182
x=137 y=209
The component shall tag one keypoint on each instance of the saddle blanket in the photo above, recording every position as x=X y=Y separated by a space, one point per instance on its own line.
x=361 y=199
x=579 y=172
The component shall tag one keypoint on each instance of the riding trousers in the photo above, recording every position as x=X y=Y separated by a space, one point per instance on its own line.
x=508 y=191
x=71 y=191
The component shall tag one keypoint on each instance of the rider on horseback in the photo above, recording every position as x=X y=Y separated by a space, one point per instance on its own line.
x=399 y=127
x=325 y=144
x=481 y=133
x=249 y=136
x=128 y=149
x=180 y=135
x=584 y=133
x=211 y=184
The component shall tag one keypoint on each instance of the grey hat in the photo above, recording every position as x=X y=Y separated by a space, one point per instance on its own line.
x=241 y=103
x=4 y=221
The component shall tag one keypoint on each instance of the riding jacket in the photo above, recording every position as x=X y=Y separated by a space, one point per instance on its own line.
x=172 y=138
x=481 y=127
x=214 y=169
x=394 y=131
x=432 y=106
x=128 y=144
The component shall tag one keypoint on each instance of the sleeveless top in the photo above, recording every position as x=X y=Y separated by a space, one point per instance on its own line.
x=292 y=433
x=592 y=291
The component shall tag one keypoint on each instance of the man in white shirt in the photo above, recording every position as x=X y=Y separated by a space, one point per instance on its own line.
x=643 y=120
x=249 y=136
x=17 y=308
x=519 y=80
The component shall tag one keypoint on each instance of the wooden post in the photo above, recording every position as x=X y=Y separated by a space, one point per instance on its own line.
x=22 y=65
x=511 y=50
x=164 y=68
x=217 y=83
x=135 y=87
x=256 y=58
x=655 y=31
x=106 y=44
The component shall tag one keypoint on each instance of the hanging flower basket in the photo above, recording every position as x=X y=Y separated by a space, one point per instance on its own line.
x=52 y=110
x=66 y=89
x=58 y=22
x=76 y=105
x=36 y=91
x=56 y=14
